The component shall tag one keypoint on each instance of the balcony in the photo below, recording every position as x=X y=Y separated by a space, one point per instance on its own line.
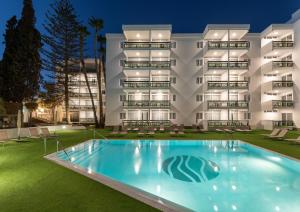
x=228 y=85
x=281 y=104
x=146 y=84
x=282 y=84
x=80 y=107
x=228 y=45
x=232 y=104
x=146 y=45
x=84 y=95
x=227 y=123
x=82 y=83
x=147 y=104
x=140 y=123
x=282 y=64
x=224 y=65
x=286 y=123
x=87 y=120
x=282 y=44
x=146 y=64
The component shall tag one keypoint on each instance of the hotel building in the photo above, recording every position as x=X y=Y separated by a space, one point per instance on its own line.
x=223 y=77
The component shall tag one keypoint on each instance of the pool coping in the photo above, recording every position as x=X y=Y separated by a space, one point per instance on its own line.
x=133 y=192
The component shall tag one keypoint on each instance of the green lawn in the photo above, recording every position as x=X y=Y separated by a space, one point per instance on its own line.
x=28 y=182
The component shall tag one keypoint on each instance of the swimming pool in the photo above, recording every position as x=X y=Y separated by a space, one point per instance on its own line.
x=197 y=175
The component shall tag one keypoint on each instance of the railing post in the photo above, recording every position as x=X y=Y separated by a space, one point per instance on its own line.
x=45 y=145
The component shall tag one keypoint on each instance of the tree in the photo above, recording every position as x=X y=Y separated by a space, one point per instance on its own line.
x=2 y=107
x=97 y=24
x=83 y=33
x=61 y=45
x=102 y=41
x=31 y=106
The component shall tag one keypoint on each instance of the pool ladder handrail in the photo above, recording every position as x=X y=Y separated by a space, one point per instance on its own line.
x=63 y=149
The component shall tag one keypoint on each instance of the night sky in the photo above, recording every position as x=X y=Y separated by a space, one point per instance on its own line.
x=186 y=16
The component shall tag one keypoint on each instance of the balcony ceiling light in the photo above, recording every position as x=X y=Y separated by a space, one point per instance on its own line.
x=214 y=72
x=160 y=35
x=233 y=34
x=233 y=53
x=216 y=34
x=159 y=72
x=276 y=53
x=215 y=53
x=160 y=53
x=276 y=72
x=137 y=54
x=138 y=35
x=275 y=33
x=137 y=73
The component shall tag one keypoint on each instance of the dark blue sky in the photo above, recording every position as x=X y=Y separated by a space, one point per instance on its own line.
x=185 y=16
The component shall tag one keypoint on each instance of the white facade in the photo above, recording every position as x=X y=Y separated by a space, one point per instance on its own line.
x=223 y=77
x=80 y=104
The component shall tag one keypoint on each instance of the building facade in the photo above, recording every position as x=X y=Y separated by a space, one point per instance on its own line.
x=223 y=77
x=80 y=103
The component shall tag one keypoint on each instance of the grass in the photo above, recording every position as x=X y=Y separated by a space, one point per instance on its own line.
x=28 y=182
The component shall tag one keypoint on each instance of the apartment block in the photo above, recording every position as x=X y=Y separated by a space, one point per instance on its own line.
x=225 y=76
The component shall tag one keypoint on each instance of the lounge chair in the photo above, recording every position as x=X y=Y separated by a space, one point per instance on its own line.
x=175 y=128
x=228 y=131
x=151 y=131
x=124 y=130
x=161 y=128
x=280 y=135
x=181 y=130
x=295 y=140
x=3 y=137
x=141 y=131
x=243 y=130
x=172 y=130
x=115 y=130
x=220 y=130
x=273 y=133
x=45 y=133
x=34 y=132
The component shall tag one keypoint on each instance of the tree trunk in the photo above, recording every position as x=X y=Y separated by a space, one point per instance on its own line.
x=97 y=71
x=100 y=93
x=66 y=85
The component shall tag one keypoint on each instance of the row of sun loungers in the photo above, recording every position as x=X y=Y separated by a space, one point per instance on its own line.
x=33 y=133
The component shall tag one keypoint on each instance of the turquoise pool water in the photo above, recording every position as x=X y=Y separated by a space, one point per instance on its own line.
x=199 y=175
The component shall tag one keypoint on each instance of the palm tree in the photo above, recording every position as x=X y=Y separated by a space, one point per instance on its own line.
x=83 y=33
x=102 y=41
x=97 y=24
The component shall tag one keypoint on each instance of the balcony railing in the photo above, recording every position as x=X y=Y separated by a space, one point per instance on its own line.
x=146 y=64
x=82 y=95
x=146 y=84
x=277 y=104
x=228 y=44
x=80 y=107
x=282 y=44
x=146 y=45
x=82 y=83
x=282 y=64
x=282 y=84
x=140 y=123
x=286 y=123
x=228 y=123
x=228 y=65
x=228 y=85
x=221 y=104
x=147 y=103
x=87 y=120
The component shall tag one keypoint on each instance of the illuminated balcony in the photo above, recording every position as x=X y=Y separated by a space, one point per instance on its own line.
x=224 y=65
x=232 y=104
x=215 y=45
x=82 y=83
x=277 y=48
x=84 y=95
x=282 y=44
x=227 y=123
x=286 y=123
x=136 y=65
x=146 y=84
x=282 y=84
x=146 y=45
x=80 y=107
x=228 y=85
x=139 y=123
x=147 y=104
x=276 y=67
x=281 y=104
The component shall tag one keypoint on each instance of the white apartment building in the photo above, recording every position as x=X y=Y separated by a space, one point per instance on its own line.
x=223 y=77
x=80 y=103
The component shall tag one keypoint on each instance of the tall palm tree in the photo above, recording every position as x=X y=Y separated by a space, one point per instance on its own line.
x=83 y=33
x=97 y=24
x=102 y=41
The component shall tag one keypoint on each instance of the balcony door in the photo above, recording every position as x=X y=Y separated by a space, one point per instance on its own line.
x=144 y=115
x=287 y=116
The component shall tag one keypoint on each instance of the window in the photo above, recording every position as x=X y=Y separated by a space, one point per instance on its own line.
x=121 y=82
x=172 y=115
x=199 y=116
x=123 y=97
x=122 y=115
x=199 y=80
x=173 y=45
x=174 y=97
x=199 y=44
x=247 y=115
x=199 y=62
x=199 y=98
x=173 y=80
